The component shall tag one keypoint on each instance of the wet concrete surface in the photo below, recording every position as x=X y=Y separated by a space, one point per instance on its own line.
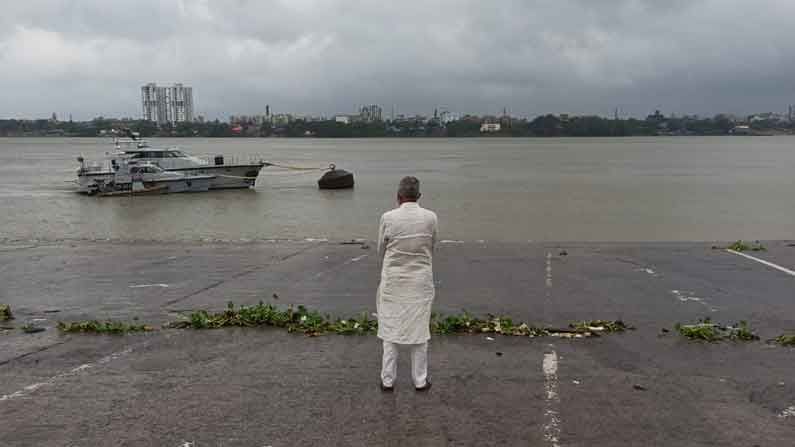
x=258 y=387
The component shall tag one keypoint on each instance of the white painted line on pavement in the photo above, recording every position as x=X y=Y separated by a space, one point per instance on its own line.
x=552 y=424
x=685 y=296
x=549 y=270
x=64 y=375
x=762 y=261
x=788 y=412
x=140 y=286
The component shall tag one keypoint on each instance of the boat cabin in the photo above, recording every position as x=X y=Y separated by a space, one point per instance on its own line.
x=149 y=153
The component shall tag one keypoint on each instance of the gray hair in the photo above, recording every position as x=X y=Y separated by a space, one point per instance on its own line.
x=409 y=188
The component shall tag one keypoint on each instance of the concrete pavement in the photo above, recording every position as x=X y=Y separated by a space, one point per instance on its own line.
x=258 y=387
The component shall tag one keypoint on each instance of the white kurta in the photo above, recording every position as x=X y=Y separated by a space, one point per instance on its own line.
x=406 y=239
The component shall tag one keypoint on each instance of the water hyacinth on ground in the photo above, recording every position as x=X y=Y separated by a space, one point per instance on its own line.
x=294 y=320
x=313 y=323
x=5 y=312
x=745 y=246
x=467 y=324
x=706 y=330
x=102 y=327
x=598 y=326
x=786 y=340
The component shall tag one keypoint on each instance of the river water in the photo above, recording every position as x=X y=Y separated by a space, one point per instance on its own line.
x=629 y=189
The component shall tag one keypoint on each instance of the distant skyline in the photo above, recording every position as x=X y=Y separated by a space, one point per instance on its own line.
x=332 y=56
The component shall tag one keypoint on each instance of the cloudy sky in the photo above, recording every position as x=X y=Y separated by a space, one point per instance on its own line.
x=90 y=57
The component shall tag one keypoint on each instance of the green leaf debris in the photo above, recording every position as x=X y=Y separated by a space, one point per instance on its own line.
x=786 y=340
x=309 y=322
x=102 y=327
x=5 y=312
x=706 y=330
x=601 y=326
x=747 y=246
x=300 y=320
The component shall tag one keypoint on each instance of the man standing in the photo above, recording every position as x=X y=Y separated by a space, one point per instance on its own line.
x=406 y=239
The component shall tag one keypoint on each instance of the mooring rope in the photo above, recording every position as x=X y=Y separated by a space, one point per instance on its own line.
x=236 y=176
x=330 y=167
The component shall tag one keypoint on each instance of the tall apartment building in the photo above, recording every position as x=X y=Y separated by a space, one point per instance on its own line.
x=370 y=113
x=172 y=104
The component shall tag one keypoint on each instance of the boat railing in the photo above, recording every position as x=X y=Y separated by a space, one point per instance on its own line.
x=130 y=143
x=89 y=168
x=228 y=160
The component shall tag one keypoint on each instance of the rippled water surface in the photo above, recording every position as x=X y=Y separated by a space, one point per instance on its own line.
x=711 y=188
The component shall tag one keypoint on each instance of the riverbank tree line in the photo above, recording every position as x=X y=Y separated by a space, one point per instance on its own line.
x=469 y=126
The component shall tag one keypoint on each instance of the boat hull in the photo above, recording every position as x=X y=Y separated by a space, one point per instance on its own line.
x=227 y=176
x=224 y=176
x=199 y=183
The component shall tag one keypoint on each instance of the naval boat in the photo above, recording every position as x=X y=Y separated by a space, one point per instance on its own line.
x=222 y=173
x=137 y=177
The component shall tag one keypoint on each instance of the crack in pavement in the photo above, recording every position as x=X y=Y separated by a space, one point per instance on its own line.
x=72 y=372
x=237 y=275
x=35 y=351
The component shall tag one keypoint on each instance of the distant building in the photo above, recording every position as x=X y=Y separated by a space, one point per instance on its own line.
x=249 y=120
x=768 y=116
x=741 y=130
x=344 y=119
x=371 y=113
x=490 y=127
x=415 y=119
x=281 y=119
x=446 y=117
x=172 y=104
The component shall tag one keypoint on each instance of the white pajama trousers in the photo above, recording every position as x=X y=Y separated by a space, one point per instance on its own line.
x=419 y=363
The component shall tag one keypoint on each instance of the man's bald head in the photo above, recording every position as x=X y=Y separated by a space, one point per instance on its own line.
x=409 y=189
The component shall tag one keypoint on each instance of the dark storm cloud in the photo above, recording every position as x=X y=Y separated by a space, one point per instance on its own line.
x=89 y=57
